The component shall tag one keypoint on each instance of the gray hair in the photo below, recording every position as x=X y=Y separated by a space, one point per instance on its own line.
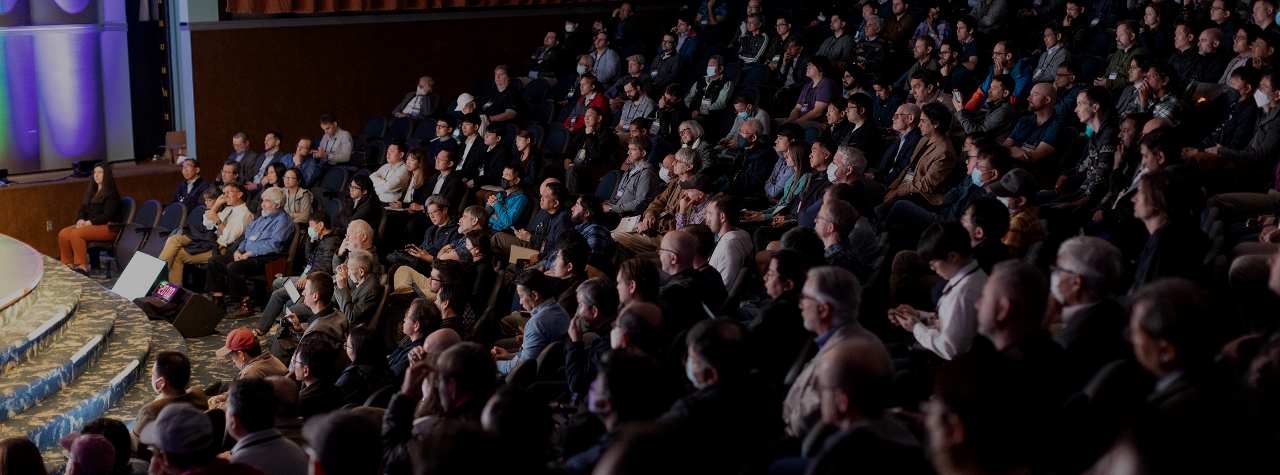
x=1096 y=261
x=598 y=292
x=838 y=288
x=689 y=157
x=360 y=226
x=240 y=136
x=274 y=195
x=362 y=260
x=852 y=157
x=912 y=110
x=590 y=61
x=695 y=129
x=430 y=82
x=439 y=201
x=874 y=20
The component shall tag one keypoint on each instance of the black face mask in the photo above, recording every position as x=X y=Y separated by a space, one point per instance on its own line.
x=505 y=183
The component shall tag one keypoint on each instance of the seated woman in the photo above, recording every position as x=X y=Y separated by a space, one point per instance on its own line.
x=480 y=270
x=273 y=178
x=797 y=157
x=420 y=320
x=529 y=157
x=100 y=206
x=297 y=199
x=368 y=371
x=691 y=136
x=413 y=201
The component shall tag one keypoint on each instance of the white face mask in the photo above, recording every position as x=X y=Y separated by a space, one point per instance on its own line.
x=831 y=172
x=1261 y=98
x=691 y=373
x=664 y=174
x=568 y=28
x=421 y=91
x=1006 y=200
x=1054 y=281
x=711 y=70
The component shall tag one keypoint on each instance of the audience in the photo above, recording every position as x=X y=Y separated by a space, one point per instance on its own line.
x=251 y=421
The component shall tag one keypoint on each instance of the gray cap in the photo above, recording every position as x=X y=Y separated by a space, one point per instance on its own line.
x=179 y=429
x=1018 y=182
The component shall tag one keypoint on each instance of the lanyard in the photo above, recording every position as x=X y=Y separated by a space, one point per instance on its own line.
x=956 y=280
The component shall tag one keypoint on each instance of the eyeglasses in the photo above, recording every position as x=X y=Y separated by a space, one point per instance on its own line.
x=290 y=177
x=356 y=188
x=1054 y=269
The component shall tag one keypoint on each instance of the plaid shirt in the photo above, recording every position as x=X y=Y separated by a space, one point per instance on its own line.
x=1168 y=107
x=598 y=239
x=940 y=33
x=1024 y=230
x=697 y=215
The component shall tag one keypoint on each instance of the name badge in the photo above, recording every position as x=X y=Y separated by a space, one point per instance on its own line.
x=487 y=104
x=458 y=168
x=1112 y=76
x=1094 y=22
x=804 y=108
x=253 y=237
x=621 y=190
x=653 y=74
x=706 y=103
x=569 y=95
x=655 y=128
x=481 y=171
x=910 y=177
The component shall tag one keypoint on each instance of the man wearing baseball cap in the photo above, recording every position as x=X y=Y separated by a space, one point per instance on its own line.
x=247 y=355
x=181 y=441
x=1015 y=190
x=89 y=454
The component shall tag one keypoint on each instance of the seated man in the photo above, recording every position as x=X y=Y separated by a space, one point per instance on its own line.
x=505 y=101
x=170 y=374
x=638 y=184
x=546 y=59
x=474 y=218
x=666 y=65
x=660 y=217
x=945 y=246
x=1093 y=322
x=711 y=93
x=999 y=118
x=419 y=104
x=1159 y=95
x=1005 y=62
x=322 y=323
x=1016 y=190
x=443 y=141
x=750 y=168
x=548 y=321
x=635 y=72
x=391 y=178
x=1175 y=244
x=1236 y=129
x=225 y=220
x=470 y=157
x=358 y=291
x=598 y=303
x=507 y=208
x=687 y=290
x=588 y=148
x=304 y=160
x=245 y=352
x=913 y=281
x=777 y=333
x=835 y=221
x=585 y=214
x=364 y=205
x=1266 y=133
x=988 y=161
x=1168 y=328
x=266 y=239
x=933 y=159
x=1039 y=135
x=191 y=191
x=733 y=245
x=818 y=91
x=443 y=231
x=634 y=104
x=313 y=366
x=321 y=246
x=251 y=422
x=335 y=146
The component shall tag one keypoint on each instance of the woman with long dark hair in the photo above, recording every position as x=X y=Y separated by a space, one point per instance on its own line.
x=529 y=157
x=297 y=199
x=18 y=456
x=100 y=205
x=368 y=371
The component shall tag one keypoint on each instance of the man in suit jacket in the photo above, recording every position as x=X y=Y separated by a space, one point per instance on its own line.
x=546 y=60
x=898 y=156
x=364 y=206
x=1093 y=322
x=306 y=163
x=932 y=161
x=1170 y=329
x=272 y=154
x=190 y=191
x=419 y=104
x=358 y=290
x=447 y=181
x=829 y=307
x=247 y=158
x=470 y=157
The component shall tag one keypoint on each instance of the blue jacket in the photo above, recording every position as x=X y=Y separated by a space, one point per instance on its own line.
x=195 y=197
x=269 y=234
x=1021 y=80
x=507 y=211
x=310 y=168
x=548 y=323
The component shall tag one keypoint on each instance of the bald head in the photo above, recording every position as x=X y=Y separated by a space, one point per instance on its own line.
x=752 y=126
x=861 y=370
x=677 y=252
x=1157 y=123
x=441 y=340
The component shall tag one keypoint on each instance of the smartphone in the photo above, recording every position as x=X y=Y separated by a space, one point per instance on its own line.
x=896 y=313
x=956 y=94
x=1251 y=222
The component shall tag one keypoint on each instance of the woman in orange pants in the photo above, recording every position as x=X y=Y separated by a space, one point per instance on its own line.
x=101 y=205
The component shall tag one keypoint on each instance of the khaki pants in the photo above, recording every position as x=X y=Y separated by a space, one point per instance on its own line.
x=405 y=277
x=502 y=243
x=630 y=244
x=176 y=257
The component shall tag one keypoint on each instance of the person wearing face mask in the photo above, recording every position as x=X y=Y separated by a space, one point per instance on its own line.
x=745 y=109
x=987 y=162
x=733 y=411
x=507 y=208
x=266 y=239
x=1234 y=131
x=751 y=168
x=575 y=39
x=946 y=247
x=419 y=104
x=1093 y=321
x=630 y=387
x=566 y=89
x=1016 y=190
x=711 y=93
x=357 y=291
x=170 y=374
x=1266 y=135
x=321 y=245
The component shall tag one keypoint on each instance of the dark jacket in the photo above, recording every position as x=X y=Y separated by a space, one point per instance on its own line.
x=777 y=335
x=581 y=359
x=893 y=163
x=369 y=209
x=687 y=291
x=319 y=398
x=490 y=172
x=1093 y=338
x=399 y=359
x=1175 y=250
x=988 y=253
x=195 y=197
x=879 y=446
x=358 y=382
x=593 y=148
x=437 y=237
x=320 y=251
x=430 y=102
x=361 y=302
x=452 y=190
x=468 y=166
x=551 y=59
x=664 y=70
x=748 y=171
x=732 y=420
x=1236 y=129
x=108 y=210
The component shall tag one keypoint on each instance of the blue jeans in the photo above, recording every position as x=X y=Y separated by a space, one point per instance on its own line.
x=275 y=305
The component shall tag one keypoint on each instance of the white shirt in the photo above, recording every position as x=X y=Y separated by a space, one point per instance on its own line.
x=467 y=151
x=389 y=181
x=957 y=315
x=731 y=251
x=237 y=218
x=439 y=183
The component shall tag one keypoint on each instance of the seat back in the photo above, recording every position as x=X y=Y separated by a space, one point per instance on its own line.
x=335 y=180
x=538 y=133
x=523 y=374
x=540 y=112
x=375 y=127
x=536 y=90
x=130 y=208
x=550 y=361
x=382 y=397
x=557 y=140
x=811 y=134
x=509 y=137
x=334 y=208
x=195 y=219
x=425 y=131
x=608 y=183
x=382 y=226
x=130 y=239
x=148 y=214
x=731 y=71
x=154 y=244
x=754 y=75
x=174 y=215
x=400 y=128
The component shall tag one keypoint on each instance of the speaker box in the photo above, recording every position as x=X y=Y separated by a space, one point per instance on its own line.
x=189 y=312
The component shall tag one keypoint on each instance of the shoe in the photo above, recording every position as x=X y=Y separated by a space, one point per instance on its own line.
x=245 y=310
x=81 y=271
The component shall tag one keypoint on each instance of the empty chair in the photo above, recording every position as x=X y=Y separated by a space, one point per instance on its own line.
x=335 y=180
x=811 y=134
x=557 y=140
x=129 y=241
x=173 y=217
x=425 y=131
x=731 y=71
x=148 y=214
x=536 y=90
x=754 y=75
x=374 y=128
x=540 y=112
x=399 y=129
